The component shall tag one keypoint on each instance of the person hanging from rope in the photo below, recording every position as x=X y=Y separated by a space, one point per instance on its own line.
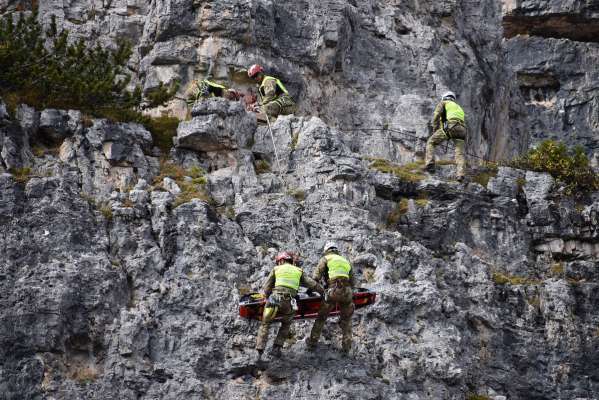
x=448 y=124
x=280 y=288
x=274 y=97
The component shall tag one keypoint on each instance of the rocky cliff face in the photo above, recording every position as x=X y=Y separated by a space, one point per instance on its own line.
x=121 y=272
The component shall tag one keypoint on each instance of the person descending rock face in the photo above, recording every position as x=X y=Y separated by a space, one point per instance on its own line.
x=448 y=124
x=274 y=97
x=286 y=279
x=340 y=278
x=207 y=88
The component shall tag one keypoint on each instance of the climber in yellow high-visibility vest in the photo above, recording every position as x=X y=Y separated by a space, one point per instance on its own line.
x=449 y=123
x=274 y=97
x=339 y=275
x=280 y=288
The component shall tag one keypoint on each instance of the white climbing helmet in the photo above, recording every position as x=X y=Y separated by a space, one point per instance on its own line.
x=329 y=247
x=448 y=96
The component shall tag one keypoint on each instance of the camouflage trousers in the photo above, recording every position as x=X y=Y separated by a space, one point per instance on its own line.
x=342 y=295
x=282 y=105
x=455 y=132
x=286 y=312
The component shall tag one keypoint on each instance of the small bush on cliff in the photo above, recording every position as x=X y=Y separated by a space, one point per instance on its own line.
x=46 y=69
x=569 y=166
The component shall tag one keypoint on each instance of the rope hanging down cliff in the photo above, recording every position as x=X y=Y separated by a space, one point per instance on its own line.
x=280 y=171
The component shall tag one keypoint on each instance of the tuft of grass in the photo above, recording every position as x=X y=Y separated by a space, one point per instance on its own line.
x=521 y=182
x=89 y=198
x=128 y=203
x=411 y=172
x=84 y=375
x=192 y=182
x=294 y=140
x=368 y=274
x=106 y=211
x=472 y=396
x=401 y=208
x=190 y=191
x=22 y=175
x=163 y=130
x=489 y=170
x=445 y=162
x=298 y=194
x=230 y=213
x=38 y=151
x=557 y=269
x=170 y=170
x=502 y=279
x=422 y=200
x=261 y=166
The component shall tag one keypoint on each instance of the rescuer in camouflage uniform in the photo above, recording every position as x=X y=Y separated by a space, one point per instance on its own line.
x=448 y=124
x=337 y=271
x=274 y=97
x=207 y=88
x=286 y=279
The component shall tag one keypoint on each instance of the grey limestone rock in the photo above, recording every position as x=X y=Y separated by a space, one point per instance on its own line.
x=217 y=124
x=113 y=287
x=508 y=182
x=537 y=190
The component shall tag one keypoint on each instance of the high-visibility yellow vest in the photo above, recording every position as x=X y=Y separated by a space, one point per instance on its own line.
x=288 y=275
x=454 y=111
x=338 y=266
x=214 y=84
x=279 y=84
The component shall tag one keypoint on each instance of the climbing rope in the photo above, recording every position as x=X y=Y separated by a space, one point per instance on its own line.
x=418 y=138
x=280 y=171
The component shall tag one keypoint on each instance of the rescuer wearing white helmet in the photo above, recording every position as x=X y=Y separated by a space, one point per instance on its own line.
x=449 y=123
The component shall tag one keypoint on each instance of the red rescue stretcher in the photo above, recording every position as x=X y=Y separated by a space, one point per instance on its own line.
x=251 y=305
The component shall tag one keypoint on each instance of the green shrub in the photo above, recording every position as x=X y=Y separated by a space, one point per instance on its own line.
x=569 y=166
x=22 y=175
x=401 y=209
x=47 y=70
x=106 y=211
x=163 y=129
